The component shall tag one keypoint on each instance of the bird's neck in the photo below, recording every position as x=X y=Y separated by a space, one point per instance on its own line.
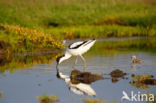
x=66 y=56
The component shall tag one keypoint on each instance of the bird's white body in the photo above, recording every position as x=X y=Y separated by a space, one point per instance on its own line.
x=80 y=50
x=76 y=49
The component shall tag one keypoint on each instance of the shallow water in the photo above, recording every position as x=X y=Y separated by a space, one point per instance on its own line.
x=22 y=85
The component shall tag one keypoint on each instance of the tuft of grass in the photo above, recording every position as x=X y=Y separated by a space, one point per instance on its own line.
x=48 y=99
x=142 y=81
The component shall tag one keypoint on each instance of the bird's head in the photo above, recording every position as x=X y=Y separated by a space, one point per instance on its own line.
x=62 y=58
x=133 y=57
x=59 y=59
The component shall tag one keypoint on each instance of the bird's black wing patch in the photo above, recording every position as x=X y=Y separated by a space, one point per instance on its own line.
x=88 y=42
x=77 y=46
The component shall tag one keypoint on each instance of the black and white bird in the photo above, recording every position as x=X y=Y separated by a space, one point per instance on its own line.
x=76 y=49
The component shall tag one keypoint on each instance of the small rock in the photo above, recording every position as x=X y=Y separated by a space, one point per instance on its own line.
x=117 y=73
x=84 y=77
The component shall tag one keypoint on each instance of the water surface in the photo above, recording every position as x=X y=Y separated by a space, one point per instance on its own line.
x=24 y=78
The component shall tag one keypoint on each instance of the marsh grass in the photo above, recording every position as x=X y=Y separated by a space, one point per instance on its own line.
x=102 y=31
x=142 y=81
x=32 y=25
x=20 y=39
x=82 y=19
x=48 y=99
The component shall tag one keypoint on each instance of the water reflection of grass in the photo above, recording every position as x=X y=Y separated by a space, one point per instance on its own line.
x=15 y=62
x=143 y=44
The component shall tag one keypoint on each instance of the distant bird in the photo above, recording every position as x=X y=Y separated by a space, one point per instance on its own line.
x=76 y=49
x=135 y=60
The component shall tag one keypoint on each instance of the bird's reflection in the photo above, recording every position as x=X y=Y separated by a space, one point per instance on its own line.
x=80 y=82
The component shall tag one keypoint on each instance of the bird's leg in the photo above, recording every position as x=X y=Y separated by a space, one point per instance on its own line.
x=75 y=62
x=84 y=61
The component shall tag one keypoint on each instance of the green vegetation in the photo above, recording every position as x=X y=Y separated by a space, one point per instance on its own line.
x=142 y=81
x=102 y=31
x=34 y=25
x=19 y=39
x=71 y=19
x=48 y=99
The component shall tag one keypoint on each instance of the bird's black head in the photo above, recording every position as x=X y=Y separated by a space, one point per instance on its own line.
x=58 y=59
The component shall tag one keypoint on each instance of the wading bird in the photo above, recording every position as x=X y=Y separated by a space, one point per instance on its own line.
x=76 y=49
x=135 y=60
